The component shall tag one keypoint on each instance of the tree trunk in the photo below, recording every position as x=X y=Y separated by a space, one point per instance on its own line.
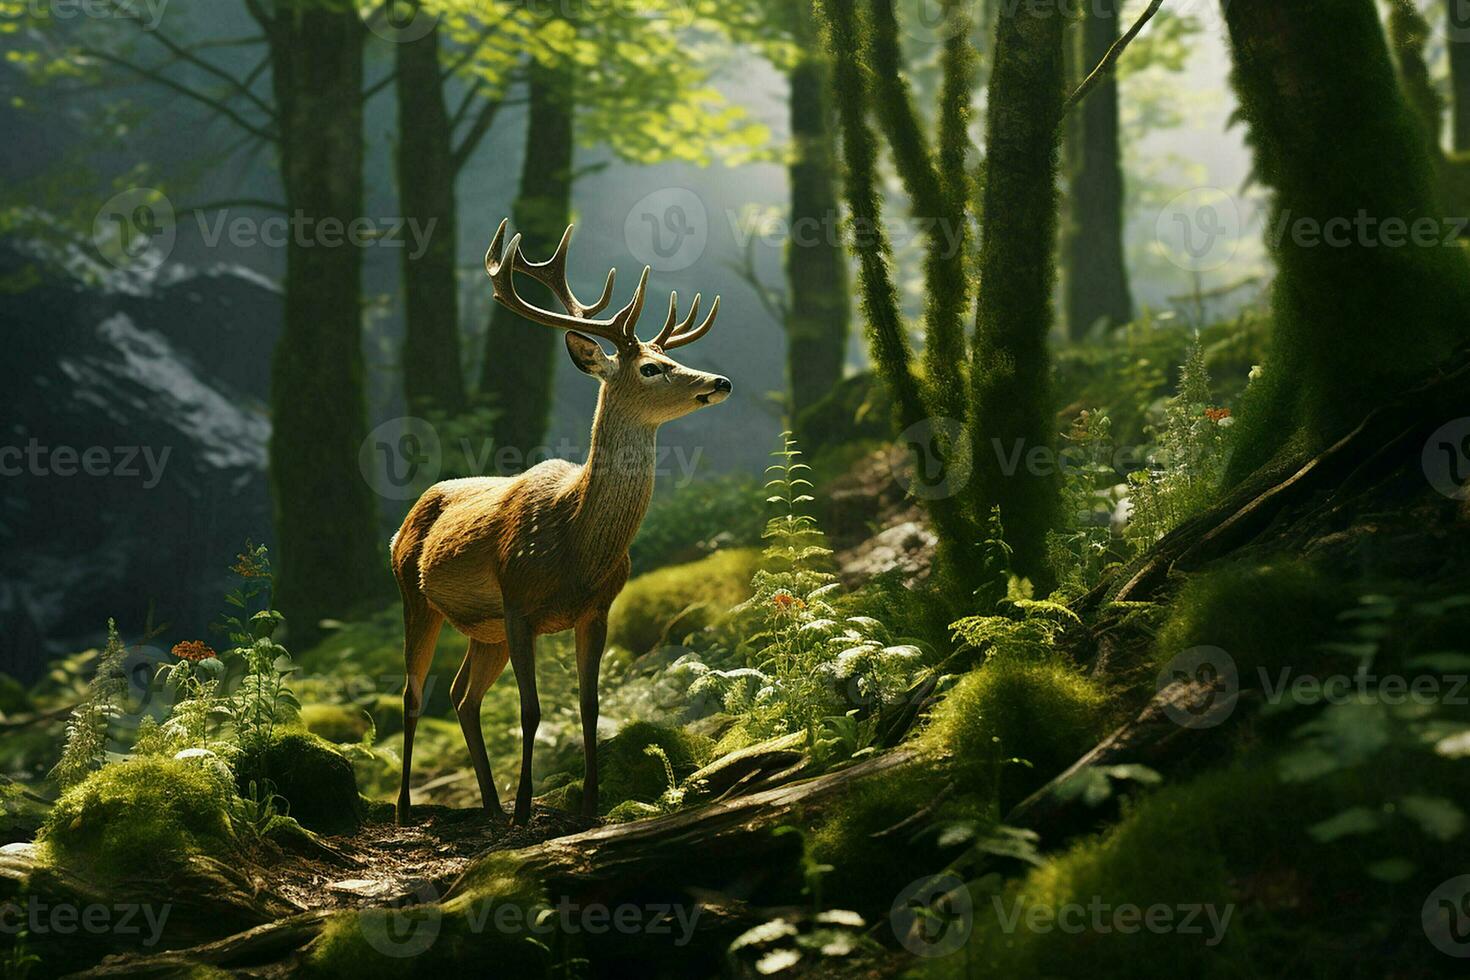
x=1362 y=304
x=432 y=373
x=816 y=266
x=1096 y=273
x=1458 y=44
x=519 y=363
x=1013 y=416
x=328 y=558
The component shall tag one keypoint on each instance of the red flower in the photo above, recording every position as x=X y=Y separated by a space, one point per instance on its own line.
x=786 y=602
x=1217 y=414
x=194 y=650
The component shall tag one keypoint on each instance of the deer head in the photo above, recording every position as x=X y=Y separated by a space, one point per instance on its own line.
x=639 y=378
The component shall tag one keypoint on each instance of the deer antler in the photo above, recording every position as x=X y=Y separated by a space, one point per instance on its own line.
x=619 y=328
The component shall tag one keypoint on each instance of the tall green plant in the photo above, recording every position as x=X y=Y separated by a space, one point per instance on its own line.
x=87 y=731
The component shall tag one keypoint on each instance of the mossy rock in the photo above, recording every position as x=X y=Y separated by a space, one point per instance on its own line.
x=1039 y=709
x=387 y=712
x=1265 y=616
x=13 y=697
x=128 y=817
x=340 y=723
x=627 y=772
x=669 y=604
x=314 y=778
x=21 y=814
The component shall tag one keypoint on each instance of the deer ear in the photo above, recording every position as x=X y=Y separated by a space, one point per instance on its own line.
x=587 y=354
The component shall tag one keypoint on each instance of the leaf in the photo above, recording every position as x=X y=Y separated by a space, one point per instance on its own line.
x=1392 y=870
x=1436 y=816
x=1353 y=820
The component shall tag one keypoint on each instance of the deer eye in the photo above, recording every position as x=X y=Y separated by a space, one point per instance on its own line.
x=651 y=370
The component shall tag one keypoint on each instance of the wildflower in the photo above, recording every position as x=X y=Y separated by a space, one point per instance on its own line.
x=194 y=650
x=1217 y=414
x=785 y=602
x=1256 y=371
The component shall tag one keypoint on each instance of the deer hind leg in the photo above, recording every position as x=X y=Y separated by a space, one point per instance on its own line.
x=483 y=663
x=421 y=625
x=591 y=640
x=522 y=643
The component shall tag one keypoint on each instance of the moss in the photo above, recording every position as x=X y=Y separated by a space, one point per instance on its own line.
x=1262 y=615
x=627 y=772
x=1042 y=710
x=21 y=814
x=128 y=817
x=314 y=778
x=683 y=525
x=387 y=712
x=339 y=723
x=856 y=409
x=13 y=697
x=673 y=602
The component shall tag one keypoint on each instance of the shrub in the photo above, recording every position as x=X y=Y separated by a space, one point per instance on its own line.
x=669 y=604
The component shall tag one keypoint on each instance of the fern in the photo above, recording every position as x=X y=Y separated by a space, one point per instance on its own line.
x=87 y=729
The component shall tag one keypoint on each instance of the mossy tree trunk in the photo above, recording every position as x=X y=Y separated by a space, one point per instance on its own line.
x=817 y=322
x=432 y=370
x=1012 y=421
x=1361 y=307
x=327 y=543
x=1458 y=44
x=519 y=362
x=1093 y=258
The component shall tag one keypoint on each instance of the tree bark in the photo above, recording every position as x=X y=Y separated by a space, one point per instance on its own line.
x=1093 y=257
x=327 y=543
x=432 y=372
x=1458 y=43
x=817 y=323
x=1361 y=305
x=1012 y=414
x=519 y=362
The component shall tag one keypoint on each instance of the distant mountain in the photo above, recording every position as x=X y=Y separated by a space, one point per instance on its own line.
x=132 y=445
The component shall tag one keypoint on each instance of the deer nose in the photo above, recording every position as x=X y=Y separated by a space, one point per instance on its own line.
x=722 y=384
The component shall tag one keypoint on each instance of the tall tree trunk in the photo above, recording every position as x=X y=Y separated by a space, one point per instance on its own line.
x=1361 y=307
x=432 y=372
x=519 y=363
x=1013 y=415
x=817 y=323
x=1459 y=50
x=326 y=530
x=1093 y=259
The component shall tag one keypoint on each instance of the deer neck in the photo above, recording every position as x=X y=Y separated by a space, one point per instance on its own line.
x=616 y=483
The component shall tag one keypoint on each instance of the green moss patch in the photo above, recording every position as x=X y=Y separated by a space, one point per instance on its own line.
x=314 y=778
x=669 y=604
x=627 y=772
x=340 y=723
x=128 y=817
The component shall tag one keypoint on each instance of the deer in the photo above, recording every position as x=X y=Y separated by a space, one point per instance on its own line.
x=506 y=559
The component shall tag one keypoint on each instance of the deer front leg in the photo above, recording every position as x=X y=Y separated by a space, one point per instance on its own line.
x=591 y=640
x=523 y=661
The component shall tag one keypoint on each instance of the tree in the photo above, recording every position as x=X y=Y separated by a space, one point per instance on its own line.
x=1361 y=313
x=1458 y=44
x=1096 y=276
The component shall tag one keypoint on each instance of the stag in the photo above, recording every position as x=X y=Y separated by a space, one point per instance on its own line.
x=507 y=559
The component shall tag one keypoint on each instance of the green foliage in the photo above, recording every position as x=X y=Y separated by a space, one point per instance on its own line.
x=128 y=817
x=344 y=724
x=721 y=513
x=310 y=774
x=1185 y=472
x=1079 y=552
x=644 y=763
x=1026 y=627
x=667 y=605
x=87 y=730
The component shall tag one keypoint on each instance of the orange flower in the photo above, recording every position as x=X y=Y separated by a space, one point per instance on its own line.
x=1217 y=414
x=194 y=650
x=786 y=602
